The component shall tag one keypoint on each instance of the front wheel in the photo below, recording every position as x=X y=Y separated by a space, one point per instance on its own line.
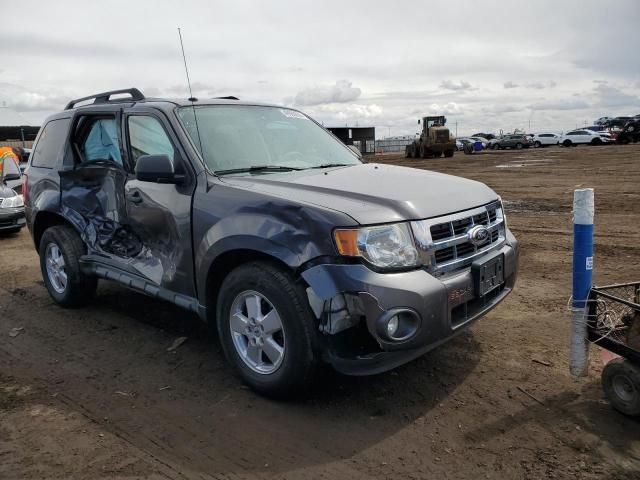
x=567 y=143
x=60 y=252
x=267 y=329
x=537 y=144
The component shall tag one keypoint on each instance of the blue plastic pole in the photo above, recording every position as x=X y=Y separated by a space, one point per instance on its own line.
x=583 y=210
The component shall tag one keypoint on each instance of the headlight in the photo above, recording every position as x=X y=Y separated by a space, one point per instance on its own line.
x=12 y=202
x=385 y=246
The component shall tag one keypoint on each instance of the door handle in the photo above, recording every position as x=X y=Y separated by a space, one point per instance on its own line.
x=134 y=197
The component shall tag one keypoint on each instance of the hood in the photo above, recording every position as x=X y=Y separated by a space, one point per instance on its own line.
x=373 y=193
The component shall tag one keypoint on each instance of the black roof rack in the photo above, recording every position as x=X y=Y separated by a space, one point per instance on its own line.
x=136 y=96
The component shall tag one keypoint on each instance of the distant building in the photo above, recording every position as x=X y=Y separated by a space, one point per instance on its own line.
x=393 y=144
x=363 y=138
x=15 y=130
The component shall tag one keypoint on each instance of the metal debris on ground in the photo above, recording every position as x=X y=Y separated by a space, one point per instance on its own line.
x=14 y=332
x=176 y=343
x=530 y=395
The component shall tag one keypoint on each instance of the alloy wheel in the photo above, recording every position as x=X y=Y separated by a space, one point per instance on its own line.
x=257 y=332
x=56 y=268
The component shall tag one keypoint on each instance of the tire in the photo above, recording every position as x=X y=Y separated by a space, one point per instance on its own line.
x=408 y=151
x=267 y=373
x=621 y=384
x=496 y=146
x=63 y=243
x=424 y=153
x=537 y=144
x=596 y=141
x=518 y=146
x=448 y=153
x=567 y=143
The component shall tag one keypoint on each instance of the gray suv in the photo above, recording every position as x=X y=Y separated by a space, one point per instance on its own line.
x=263 y=223
x=512 y=141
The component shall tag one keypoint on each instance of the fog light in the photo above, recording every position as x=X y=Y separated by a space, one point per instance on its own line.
x=398 y=324
x=392 y=326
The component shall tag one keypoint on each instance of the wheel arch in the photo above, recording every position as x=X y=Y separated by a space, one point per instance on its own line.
x=224 y=264
x=46 y=219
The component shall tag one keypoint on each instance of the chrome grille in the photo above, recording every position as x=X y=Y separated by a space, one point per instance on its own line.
x=444 y=243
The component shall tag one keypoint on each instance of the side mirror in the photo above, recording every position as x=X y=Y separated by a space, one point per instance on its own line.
x=12 y=176
x=157 y=169
x=355 y=150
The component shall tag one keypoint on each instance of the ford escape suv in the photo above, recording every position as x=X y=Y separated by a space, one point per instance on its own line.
x=259 y=220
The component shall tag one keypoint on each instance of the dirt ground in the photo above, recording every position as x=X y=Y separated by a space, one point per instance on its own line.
x=93 y=393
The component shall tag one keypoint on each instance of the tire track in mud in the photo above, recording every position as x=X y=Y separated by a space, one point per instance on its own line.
x=210 y=450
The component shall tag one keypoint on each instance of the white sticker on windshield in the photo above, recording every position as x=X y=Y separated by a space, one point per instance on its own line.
x=292 y=114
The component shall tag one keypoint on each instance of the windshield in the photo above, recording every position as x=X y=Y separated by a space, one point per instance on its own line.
x=237 y=137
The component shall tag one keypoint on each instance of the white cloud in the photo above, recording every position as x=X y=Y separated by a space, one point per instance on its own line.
x=510 y=84
x=343 y=91
x=456 y=86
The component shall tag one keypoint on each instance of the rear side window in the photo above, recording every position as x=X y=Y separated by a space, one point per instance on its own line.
x=102 y=142
x=47 y=153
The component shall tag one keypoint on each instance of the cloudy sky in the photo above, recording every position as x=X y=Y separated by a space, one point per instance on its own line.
x=487 y=65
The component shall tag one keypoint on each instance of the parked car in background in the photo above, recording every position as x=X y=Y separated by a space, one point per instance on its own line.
x=630 y=133
x=484 y=141
x=583 y=137
x=11 y=210
x=459 y=144
x=545 y=139
x=602 y=120
x=488 y=136
x=516 y=141
x=618 y=122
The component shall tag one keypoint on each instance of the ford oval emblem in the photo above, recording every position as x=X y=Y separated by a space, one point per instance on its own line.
x=478 y=235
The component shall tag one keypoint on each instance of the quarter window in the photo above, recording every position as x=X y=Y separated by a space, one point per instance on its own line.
x=50 y=142
x=147 y=136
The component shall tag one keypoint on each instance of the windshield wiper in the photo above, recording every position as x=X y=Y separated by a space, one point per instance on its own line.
x=257 y=168
x=329 y=165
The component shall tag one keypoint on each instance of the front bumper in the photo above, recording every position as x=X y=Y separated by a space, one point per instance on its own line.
x=12 y=218
x=445 y=307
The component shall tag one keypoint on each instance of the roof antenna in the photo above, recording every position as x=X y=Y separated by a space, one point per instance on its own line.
x=191 y=98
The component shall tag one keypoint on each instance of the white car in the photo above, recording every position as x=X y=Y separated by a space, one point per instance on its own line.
x=545 y=139
x=585 y=137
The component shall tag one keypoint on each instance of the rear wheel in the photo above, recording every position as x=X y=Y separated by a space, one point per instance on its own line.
x=448 y=153
x=267 y=330
x=567 y=143
x=496 y=146
x=519 y=146
x=621 y=384
x=537 y=144
x=60 y=252
x=596 y=141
